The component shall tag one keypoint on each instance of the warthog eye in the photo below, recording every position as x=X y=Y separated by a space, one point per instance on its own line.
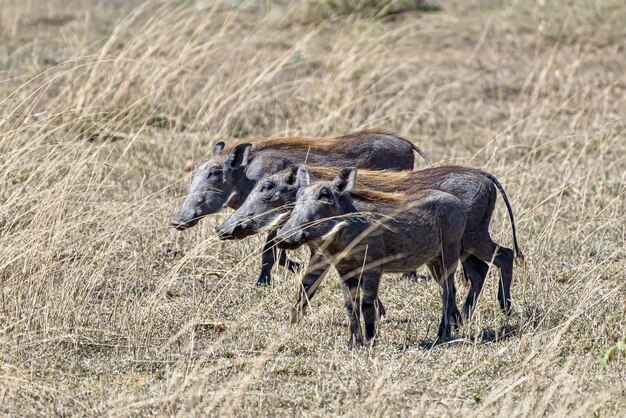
x=326 y=195
x=267 y=187
x=214 y=173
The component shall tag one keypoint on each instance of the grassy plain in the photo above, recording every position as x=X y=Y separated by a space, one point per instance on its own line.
x=106 y=310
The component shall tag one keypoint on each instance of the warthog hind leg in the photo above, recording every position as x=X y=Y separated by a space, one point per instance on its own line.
x=504 y=260
x=475 y=271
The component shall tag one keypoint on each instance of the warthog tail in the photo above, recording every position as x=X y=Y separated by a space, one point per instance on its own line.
x=495 y=181
x=420 y=152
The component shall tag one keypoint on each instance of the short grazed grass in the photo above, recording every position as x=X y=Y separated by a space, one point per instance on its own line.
x=106 y=310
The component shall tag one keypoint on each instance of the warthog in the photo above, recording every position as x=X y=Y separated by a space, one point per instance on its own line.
x=233 y=171
x=366 y=233
x=270 y=203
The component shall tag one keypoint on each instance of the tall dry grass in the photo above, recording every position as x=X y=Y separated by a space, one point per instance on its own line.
x=105 y=310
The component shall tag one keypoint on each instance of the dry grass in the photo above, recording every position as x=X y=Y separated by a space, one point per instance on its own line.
x=105 y=310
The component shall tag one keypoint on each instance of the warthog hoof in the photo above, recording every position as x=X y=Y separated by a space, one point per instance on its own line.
x=444 y=334
x=264 y=279
x=352 y=345
x=506 y=307
x=457 y=320
x=354 y=342
x=297 y=313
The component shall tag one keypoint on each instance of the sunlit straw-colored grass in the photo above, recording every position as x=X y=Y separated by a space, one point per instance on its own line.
x=104 y=309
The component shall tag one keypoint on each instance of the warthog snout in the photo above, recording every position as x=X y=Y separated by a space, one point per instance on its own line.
x=178 y=224
x=193 y=209
x=228 y=232
x=181 y=224
x=234 y=230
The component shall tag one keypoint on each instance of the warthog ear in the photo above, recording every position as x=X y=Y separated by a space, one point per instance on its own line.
x=292 y=173
x=345 y=180
x=302 y=176
x=238 y=157
x=218 y=148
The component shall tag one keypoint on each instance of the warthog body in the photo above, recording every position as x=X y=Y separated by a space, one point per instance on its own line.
x=233 y=171
x=271 y=201
x=366 y=233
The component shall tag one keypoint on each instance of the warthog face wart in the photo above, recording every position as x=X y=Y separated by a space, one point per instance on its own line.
x=213 y=184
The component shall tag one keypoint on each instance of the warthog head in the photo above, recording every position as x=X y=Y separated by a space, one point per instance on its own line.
x=318 y=210
x=213 y=185
x=267 y=206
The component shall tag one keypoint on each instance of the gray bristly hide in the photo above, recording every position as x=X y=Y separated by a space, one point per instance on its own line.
x=366 y=233
x=270 y=203
x=232 y=172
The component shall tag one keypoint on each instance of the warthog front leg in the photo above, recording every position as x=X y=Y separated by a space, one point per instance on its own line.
x=444 y=274
x=287 y=263
x=370 y=281
x=449 y=310
x=351 y=296
x=268 y=259
x=313 y=277
x=316 y=270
